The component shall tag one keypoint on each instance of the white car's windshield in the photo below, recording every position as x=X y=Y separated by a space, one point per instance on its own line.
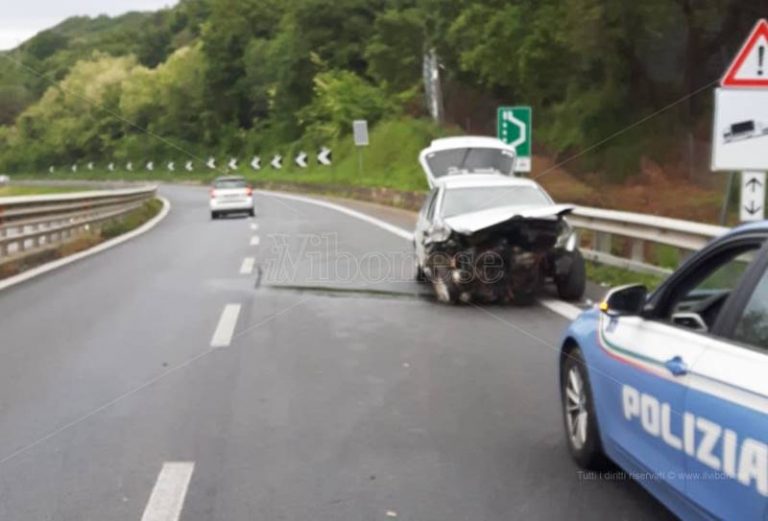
x=230 y=183
x=474 y=199
x=470 y=161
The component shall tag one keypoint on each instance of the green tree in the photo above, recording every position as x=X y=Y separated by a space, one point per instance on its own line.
x=340 y=98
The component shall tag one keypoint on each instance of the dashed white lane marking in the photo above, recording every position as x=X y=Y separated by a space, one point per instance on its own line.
x=254 y=226
x=563 y=309
x=222 y=337
x=167 y=498
x=255 y=240
x=247 y=267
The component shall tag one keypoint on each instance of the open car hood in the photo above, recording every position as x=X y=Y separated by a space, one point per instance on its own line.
x=466 y=155
x=473 y=222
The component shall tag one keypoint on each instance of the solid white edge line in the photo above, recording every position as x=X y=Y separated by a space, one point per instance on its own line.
x=247 y=267
x=348 y=211
x=563 y=309
x=60 y=263
x=167 y=498
x=225 y=329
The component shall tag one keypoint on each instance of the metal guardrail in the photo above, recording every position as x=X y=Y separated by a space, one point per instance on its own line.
x=29 y=224
x=638 y=231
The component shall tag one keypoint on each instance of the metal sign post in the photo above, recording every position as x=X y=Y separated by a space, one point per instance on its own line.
x=514 y=126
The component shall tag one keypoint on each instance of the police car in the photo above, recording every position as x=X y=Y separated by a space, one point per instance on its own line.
x=673 y=386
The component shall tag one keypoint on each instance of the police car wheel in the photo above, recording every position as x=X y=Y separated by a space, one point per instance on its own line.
x=581 y=429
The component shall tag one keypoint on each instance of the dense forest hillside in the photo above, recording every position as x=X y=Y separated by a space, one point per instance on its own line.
x=241 y=76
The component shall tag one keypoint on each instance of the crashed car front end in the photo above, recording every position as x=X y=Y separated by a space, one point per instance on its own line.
x=503 y=262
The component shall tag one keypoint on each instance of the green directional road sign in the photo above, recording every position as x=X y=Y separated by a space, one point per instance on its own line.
x=514 y=127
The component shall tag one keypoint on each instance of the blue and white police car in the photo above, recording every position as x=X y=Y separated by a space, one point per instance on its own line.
x=673 y=386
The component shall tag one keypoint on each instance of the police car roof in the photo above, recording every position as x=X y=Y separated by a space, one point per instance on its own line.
x=757 y=226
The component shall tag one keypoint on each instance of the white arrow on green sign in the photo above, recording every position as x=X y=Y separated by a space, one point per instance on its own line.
x=514 y=127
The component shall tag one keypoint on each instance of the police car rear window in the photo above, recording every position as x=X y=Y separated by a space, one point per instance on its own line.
x=230 y=183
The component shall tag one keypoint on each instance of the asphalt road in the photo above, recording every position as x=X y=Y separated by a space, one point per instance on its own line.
x=344 y=392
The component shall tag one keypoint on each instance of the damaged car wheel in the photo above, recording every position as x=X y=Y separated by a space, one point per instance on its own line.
x=446 y=290
x=571 y=285
x=420 y=276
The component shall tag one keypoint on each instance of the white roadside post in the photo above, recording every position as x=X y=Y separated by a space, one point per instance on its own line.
x=740 y=130
x=360 y=132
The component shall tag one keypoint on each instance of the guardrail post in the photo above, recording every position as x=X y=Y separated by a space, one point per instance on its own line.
x=601 y=242
x=638 y=250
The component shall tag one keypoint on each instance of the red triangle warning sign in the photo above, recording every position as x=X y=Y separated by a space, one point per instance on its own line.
x=750 y=68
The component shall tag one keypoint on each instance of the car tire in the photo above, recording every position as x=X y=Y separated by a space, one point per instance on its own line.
x=572 y=285
x=214 y=216
x=252 y=213
x=582 y=432
x=420 y=276
x=445 y=289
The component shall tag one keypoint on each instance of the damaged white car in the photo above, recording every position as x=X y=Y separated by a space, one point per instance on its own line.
x=485 y=235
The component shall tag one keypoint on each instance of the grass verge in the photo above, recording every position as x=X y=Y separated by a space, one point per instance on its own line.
x=133 y=220
x=610 y=276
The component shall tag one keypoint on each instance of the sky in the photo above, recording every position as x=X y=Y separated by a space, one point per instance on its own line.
x=21 y=19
